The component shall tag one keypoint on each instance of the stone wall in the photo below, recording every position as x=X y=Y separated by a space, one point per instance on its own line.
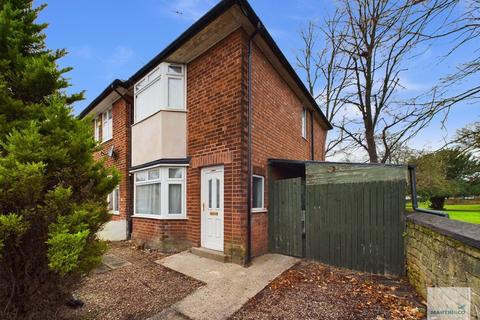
x=443 y=253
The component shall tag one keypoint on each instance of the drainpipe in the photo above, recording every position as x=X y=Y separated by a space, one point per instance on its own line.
x=413 y=186
x=249 y=151
x=129 y=105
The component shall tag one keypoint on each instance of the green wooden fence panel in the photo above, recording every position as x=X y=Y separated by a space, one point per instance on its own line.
x=357 y=225
x=354 y=217
x=285 y=217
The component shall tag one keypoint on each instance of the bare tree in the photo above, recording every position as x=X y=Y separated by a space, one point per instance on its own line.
x=462 y=28
x=373 y=41
x=327 y=83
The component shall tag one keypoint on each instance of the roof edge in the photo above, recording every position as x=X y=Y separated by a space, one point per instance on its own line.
x=212 y=14
x=111 y=87
x=255 y=20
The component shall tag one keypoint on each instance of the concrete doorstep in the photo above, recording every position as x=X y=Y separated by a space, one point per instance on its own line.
x=228 y=286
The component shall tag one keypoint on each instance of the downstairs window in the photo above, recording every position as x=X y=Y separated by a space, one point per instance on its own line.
x=160 y=193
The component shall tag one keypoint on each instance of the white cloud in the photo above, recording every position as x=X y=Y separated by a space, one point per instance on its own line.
x=83 y=52
x=410 y=85
x=120 y=57
x=117 y=62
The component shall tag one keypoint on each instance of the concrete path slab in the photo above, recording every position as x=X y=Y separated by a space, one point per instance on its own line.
x=228 y=286
x=114 y=262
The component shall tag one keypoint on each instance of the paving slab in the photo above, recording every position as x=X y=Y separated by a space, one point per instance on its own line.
x=228 y=286
x=101 y=269
x=114 y=262
x=169 y=314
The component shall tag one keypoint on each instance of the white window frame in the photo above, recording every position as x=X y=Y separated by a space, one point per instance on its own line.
x=262 y=209
x=164 y=181
x=161 y=73
x=107 y=125
x=97 y=128
x=304 y=123
x=115 y=212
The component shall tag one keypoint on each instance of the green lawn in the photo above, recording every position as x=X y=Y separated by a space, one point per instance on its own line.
x=463 y=212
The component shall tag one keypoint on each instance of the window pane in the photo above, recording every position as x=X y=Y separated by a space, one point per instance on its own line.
x=110 y=202
x=98 y=129
x=175 y=198
x=257 y=192
x=304 y=123
x=116 y=199
x=218 y=193
x=175 y=93
x=175 y=69
x=148 y=101
x=148 y=199
x=153 y=174
x=107 y=125
x=141 y=176
x=210 y=193
x=175 y=173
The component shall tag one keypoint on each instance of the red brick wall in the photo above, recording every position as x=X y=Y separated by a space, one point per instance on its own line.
x=217 y=135
x=216 y=122
x=163 y=234
x=319 y=136
x=121 y=128
x=276 y=133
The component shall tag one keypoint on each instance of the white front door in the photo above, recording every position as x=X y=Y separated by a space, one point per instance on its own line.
x=212 y=208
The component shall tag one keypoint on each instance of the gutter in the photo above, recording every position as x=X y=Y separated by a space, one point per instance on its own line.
x=413 y=186
x=249 y=148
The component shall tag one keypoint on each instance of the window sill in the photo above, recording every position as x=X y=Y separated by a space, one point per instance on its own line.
x=115 y=213
x=158 y=217
x=259 y=210
x=182 y=110
x=105 y=141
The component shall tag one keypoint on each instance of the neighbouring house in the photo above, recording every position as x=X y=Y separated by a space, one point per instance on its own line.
x=192 y=132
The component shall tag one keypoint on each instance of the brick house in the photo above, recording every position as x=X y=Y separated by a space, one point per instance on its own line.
x=192 y=132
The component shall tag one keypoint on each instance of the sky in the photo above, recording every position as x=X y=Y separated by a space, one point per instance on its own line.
x=109 y=39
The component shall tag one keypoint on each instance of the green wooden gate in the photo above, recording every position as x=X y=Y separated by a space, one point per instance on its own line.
x=355 y=217
x=285 y=217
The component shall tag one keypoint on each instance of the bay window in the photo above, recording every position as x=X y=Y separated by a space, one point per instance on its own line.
x=163 y=88
x=160 y=193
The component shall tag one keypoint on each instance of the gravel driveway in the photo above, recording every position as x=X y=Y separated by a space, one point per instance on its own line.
x=136 y=291
x=315 y=291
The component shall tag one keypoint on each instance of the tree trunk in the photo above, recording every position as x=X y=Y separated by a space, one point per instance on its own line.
x=437 y=203
x=370 y=139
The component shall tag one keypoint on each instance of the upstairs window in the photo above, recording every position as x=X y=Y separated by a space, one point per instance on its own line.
x=97 y=124
x=162 y=88
x=107 y=126
x=304 y=123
